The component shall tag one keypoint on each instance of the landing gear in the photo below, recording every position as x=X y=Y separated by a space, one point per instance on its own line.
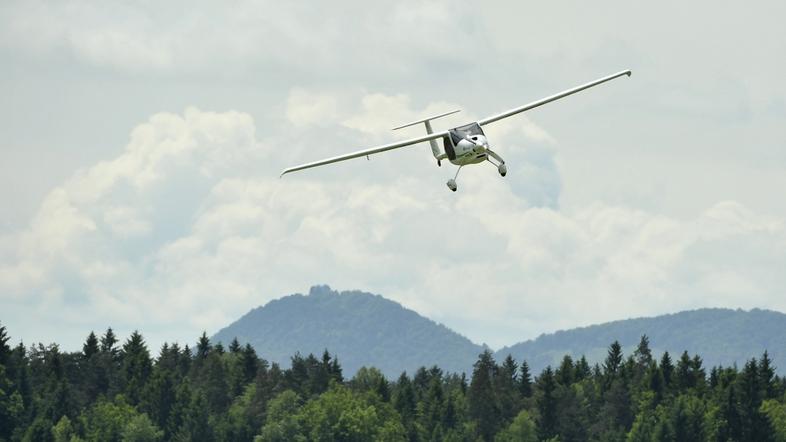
x=501 y=167
x=452 y=182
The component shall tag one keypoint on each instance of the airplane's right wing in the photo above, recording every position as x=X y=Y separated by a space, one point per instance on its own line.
x=366 y=152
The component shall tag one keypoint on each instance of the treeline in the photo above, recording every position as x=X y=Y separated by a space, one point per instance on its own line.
x=118 y=392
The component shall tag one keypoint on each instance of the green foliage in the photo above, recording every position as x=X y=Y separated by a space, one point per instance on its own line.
x=217 y=395
x=63 y=431
x=522 y=429
x=118 y=420
x=484 y=406
x=338 y=414
x=141 y=429
x=283 y=419
x=776 y=414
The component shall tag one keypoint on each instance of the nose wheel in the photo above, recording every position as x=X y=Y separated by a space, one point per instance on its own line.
x=452 y=182
x=502 y=169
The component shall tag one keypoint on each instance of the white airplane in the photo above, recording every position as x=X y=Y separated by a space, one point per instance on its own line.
x=462 y=145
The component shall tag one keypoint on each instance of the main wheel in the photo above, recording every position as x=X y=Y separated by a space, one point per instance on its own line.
x=503 y=169
x=452 y=185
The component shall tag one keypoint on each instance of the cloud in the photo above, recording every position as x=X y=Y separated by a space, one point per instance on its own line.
x=189 y=227
x=306 y=108
x=212 y=39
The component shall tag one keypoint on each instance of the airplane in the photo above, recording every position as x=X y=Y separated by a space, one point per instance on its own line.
x=462 y=145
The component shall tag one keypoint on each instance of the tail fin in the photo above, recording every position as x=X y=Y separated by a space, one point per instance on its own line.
x=427 y=121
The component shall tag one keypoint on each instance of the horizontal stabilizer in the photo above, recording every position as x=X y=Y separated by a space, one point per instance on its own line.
x=427 y=119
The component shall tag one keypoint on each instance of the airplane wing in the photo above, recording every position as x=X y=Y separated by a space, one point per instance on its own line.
x=551 y=98
x=366 y=152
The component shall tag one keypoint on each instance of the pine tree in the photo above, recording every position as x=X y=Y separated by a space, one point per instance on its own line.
x=730 y=416
x=666 y=369
x=643 y=354
x=108 y=342
x=430 y=410
x=583 y=370
x=684 y=376
x=565 y=371
x=297 y=375
x=335 y=371
x=506 y=385
x=92 y=377
x=547 y=404
x=234 y=346
x=5 y=350
x=249 y=362
x=404 y=397
x=212 y=382
x=613 y=360
x=90 y=347
x=159 y=395
x=483 y=403
x=767 y=376
x=136 y=366
x=203 y=347
x=612 y=365
x=755 y=425
x=525 y=380
x=107 y=379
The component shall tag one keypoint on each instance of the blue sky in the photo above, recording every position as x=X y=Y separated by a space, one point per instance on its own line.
x=141 y=146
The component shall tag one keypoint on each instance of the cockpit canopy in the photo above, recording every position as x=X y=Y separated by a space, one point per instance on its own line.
x=458 y=134
x=463 y=132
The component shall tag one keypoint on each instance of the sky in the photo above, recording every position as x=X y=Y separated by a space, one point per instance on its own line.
x=141 y=145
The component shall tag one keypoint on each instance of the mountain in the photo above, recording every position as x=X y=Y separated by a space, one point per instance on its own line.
x=359 y=328
x=719 y=336
x=366 y=329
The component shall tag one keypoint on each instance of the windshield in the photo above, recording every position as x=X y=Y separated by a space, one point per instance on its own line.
x=463 y=132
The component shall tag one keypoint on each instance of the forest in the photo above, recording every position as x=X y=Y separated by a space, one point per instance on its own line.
x=119 y=391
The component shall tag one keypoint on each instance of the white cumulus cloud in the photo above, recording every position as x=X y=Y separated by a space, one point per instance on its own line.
x=189 y=227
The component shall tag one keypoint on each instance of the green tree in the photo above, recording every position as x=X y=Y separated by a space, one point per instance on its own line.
x=234 y=346
x=140 y=429
x=283 y=421
x=63 y=431
x=405 y=403
x=136 y=366
x=522 y=429
x=547 y=404
x=11 y=406
x=106 y=420
x=776 y=414
x=484 y=406
x=507 y=389
x=525 y=380
x=613 y=362
x=666 y=369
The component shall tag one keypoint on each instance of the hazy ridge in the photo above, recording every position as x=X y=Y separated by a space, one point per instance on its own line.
x=364 y=329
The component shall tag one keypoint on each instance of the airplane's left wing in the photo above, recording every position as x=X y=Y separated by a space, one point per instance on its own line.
x=551 y=98
x=366 y=152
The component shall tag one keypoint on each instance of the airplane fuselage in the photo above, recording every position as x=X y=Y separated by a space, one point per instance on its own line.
x=470 y=151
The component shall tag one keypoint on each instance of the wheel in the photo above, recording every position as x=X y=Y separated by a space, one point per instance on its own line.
x=452 y=185
x=503 y=169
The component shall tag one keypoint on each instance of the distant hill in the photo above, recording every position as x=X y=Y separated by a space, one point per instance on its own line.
x=360 y=328
x=719 y=336
x=366 y=329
